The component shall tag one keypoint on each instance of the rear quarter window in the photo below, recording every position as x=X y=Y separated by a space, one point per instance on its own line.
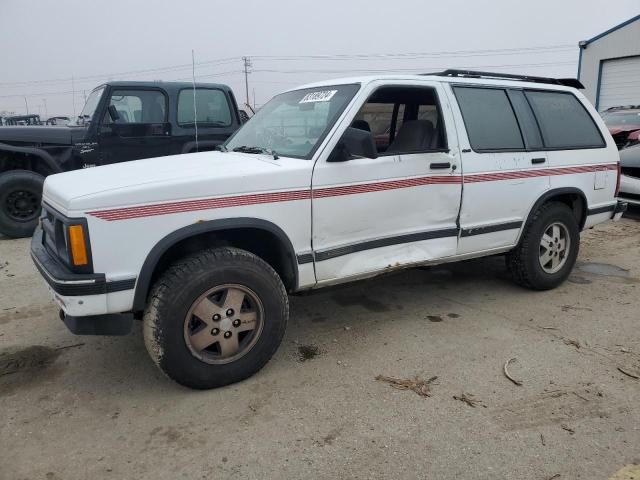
x=563 y=120
x=489 y=119
x=211 y=107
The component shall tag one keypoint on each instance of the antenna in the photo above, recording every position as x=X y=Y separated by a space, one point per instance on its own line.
x=195 y=108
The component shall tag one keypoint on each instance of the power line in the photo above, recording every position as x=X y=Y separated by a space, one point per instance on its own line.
x=328 y=57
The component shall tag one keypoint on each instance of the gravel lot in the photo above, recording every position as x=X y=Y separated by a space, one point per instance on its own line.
x=90 y=407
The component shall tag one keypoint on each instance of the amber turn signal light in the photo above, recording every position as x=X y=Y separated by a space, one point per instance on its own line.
x=79 y=256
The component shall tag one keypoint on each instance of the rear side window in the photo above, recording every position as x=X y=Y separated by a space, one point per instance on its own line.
x=489 y=118
x=564 y=121
x=212 y=107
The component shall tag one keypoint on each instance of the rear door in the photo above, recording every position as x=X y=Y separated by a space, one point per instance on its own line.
x=399 y=208
x=503 y=163
x=142 y=129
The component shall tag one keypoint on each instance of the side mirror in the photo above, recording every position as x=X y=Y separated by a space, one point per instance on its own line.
x=354 y=143
x=113 y=113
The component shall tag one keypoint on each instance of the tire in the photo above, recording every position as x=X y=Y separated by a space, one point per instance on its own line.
x=176 y=328
x=20 y=199
x=525 y=262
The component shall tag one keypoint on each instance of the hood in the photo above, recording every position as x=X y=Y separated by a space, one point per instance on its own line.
x=177 y=177
x=37 y=134
x=630 y=157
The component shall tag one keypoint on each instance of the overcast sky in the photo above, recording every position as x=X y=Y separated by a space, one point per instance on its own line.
x=45 y=43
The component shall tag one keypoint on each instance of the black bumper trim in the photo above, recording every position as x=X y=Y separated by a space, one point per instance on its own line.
x=384 y=242
x=605 y=209
x=304 y=258
x=469 y=232
x=70 y=284
x=110 y=324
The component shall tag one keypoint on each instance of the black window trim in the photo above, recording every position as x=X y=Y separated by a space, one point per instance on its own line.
x=138 y=89
x=524 y=142
x=203 y=124
x=520 y=120
x=444 y=149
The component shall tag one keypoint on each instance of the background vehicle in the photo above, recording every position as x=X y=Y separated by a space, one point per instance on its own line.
x=22 y=120
x=630 y=178
x=623 y=124
x=301 y=197
x=120 y=121
x=57 y=121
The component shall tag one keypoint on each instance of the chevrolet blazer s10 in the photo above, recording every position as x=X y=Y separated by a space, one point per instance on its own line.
x=327 y=183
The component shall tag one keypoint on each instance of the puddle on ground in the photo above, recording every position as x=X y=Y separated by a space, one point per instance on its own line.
x=434 y=318
x=35 y=357
x=614 y=272
x=307 y=352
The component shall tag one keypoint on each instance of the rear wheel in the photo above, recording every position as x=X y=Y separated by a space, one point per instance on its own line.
x=548 y=249
x=215 y=318
x=20 y=198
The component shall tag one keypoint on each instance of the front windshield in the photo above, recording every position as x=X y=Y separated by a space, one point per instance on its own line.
x=627 y=118
x=294 y=123
x=91 y=105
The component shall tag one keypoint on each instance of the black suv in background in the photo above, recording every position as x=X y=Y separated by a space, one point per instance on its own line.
x=120 y=121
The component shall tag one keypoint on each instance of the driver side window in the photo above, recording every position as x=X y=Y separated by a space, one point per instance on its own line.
x=403 y=120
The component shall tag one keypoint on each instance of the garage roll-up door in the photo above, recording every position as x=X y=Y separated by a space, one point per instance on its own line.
x=619 y=83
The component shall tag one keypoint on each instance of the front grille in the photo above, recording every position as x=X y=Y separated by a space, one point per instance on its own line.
x=631 y=171
x=53 y=234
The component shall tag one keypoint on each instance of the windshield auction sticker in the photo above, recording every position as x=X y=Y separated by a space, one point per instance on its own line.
x=323 y=96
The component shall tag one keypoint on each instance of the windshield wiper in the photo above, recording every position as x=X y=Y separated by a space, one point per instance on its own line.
x=246 y=149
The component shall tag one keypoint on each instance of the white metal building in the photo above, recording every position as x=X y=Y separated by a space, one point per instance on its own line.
x=609 y=66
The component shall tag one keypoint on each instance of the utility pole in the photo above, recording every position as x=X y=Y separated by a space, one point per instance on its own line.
x=73 y=97
x=46 y=112
x=247 y=66
x=26 y=105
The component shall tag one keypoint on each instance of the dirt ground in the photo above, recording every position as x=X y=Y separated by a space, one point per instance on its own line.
x=90 y=407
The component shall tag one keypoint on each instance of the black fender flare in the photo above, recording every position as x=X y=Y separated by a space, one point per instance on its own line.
x=550 y=194
x=143 y=283
x=41 y=154
x=206 y=144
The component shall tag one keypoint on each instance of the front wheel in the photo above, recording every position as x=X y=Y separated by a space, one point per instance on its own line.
x=20 y=198
x=548 y=248
x=215 y=318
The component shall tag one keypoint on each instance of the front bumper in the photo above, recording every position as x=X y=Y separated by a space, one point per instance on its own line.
x=84 y=297
x=630 y=189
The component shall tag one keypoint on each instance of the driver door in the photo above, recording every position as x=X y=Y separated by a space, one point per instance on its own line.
x=141 y=129
x=400 y=208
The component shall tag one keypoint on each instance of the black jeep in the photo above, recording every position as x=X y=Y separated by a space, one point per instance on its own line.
x=120 y=121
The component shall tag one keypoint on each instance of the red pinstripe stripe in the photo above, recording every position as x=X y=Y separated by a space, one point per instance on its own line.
x=275 y=197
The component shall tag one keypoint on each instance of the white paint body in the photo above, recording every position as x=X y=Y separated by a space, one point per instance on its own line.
x=315 y=223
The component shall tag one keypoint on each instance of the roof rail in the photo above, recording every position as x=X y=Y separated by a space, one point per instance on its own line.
x=567 y=82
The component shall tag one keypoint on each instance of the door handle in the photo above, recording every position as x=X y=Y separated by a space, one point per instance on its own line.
x=439 y=165
x=538 y=160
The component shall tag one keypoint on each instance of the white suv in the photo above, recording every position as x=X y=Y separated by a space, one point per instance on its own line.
x=327 y=183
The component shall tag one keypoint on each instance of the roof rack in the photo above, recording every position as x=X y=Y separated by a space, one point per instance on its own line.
x=567 y=82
